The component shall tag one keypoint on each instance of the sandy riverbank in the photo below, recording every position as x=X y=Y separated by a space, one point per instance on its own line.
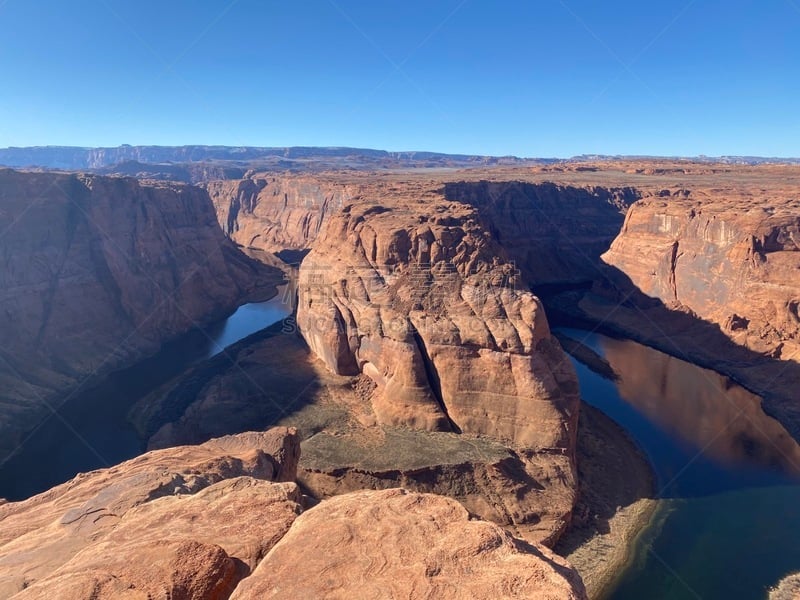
x=615 y=506
x=787 y=589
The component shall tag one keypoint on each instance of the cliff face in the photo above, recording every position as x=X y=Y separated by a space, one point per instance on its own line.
x=275 y=214
x=735 y=263
x=226 y=519
x=420 y=301
x=554 y=233
x=97 y=272
x=424 y=303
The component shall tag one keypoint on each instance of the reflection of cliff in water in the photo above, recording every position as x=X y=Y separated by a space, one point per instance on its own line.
x=702 y=408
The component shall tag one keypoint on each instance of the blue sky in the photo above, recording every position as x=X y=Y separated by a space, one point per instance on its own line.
x=531 y=78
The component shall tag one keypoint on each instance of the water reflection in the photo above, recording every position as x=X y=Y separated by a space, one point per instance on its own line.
x=701 y=408
x=727 y=476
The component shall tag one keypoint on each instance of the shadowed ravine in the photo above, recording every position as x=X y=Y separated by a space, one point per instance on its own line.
x=91 y=432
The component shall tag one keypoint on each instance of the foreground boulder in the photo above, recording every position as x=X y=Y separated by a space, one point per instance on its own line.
x=187 y=522
x=397 y=544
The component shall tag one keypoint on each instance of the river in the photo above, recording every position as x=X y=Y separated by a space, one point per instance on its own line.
x=91 y=430
x=728 y=476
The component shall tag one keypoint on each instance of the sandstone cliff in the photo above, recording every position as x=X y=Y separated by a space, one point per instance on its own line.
x=733 y=262
x=420 y=300
x=711 y=276
x=274 y=214
x=554 y=233
x=201 y=522
x=423 y=302
x=98 y=272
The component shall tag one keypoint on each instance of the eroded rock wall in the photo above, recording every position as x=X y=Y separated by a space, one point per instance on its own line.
x=276 y=213
x=97 y=272
x=421 y=300
x=735 y=263
x=554 y=233
x=225 y=519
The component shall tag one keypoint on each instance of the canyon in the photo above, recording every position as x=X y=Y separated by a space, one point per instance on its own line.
x=418 y=389
x=98 y=273
x=696 y=259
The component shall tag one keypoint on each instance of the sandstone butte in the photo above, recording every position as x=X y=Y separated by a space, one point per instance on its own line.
x=699 y=260
x=96 y=273
x=225 y=519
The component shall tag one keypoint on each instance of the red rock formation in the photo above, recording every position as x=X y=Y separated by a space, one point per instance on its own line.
x=733 y=262
x=428 y=307
x=187 y=522
x=555 y=234
x=98 y=272
x=422 y=301
x=274 y=214
x=203 y=522
x=395 y=544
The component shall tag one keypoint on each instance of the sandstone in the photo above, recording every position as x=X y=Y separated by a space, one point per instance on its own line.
x=275 y=214
x=734 y=262
x=787 y=589
x=218 y=520
x=432 y=312
x=277 y=381
x=96 y=273
x=188 y=521
x=554 y=233
x=422 y=302
x=396 y=544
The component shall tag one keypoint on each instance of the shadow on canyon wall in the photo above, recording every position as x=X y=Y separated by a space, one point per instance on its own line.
x=615 y=306
x=254 y=384
x=556 y=235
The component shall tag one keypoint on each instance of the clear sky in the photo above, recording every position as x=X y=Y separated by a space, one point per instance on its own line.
x=530 y=78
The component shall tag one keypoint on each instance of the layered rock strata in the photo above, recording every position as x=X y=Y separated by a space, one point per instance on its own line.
x=554 y=233
x=187 y=522
x=734 y=263
x=421 y=301
x=396 y=544
x=98 y=272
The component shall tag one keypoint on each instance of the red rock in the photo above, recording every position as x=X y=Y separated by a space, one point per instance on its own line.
x=396 y=544
x=98 y=272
